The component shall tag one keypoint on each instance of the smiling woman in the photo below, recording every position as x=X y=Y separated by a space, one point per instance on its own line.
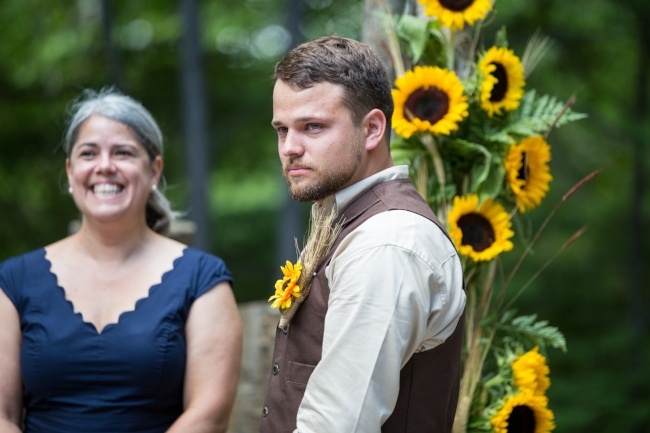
x=142 y=131
x=125 y=316
x=110 y=173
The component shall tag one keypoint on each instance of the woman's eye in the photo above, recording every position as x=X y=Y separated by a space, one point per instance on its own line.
x=124 y=152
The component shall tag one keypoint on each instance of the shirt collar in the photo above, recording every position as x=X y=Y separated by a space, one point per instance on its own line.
x=344 y=197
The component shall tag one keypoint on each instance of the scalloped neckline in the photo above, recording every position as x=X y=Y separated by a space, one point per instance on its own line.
x=123 y=314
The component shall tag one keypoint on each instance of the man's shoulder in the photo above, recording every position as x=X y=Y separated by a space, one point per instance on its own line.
x=401 y=194
x=403 y=229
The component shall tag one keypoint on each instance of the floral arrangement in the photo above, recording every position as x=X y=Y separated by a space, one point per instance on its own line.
x=293 y=288
x=475 y=139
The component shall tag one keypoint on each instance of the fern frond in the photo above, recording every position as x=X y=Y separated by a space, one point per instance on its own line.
x=534 y=331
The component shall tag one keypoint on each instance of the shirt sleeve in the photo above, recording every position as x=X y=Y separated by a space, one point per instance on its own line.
x=395 y=288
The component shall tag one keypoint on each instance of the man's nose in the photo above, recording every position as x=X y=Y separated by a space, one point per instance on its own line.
x=291 y=144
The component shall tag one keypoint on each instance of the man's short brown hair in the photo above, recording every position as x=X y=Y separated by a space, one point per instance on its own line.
x=346 y=62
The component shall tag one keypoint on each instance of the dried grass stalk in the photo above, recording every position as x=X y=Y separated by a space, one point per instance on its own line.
x=320 y=237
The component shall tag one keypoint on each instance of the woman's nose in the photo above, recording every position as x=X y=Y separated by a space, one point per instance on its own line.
x=105 y=163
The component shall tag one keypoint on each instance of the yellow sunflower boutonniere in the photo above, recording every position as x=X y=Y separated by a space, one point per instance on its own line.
x=293 y=288
x=287 y=288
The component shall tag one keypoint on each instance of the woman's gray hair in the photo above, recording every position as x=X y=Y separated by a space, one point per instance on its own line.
x=119 y=107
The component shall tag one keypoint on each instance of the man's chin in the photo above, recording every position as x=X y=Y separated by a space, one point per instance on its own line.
x=299 y=195
x=306 y=194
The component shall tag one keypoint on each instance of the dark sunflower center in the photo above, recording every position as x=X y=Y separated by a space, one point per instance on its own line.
x=477 y=231
x=501 y=87
x=524 y=171
x=456 y=5
x=521 y=420
x=428 y=104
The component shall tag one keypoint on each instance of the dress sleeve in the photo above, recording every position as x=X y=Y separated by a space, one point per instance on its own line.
x=211 y=270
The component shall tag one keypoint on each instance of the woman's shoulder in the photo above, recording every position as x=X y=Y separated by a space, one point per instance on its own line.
x=14 y=270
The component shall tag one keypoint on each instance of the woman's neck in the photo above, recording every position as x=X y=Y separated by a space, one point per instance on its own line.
x=113 y=243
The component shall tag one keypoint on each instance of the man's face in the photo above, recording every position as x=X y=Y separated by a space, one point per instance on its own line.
x=320 y=149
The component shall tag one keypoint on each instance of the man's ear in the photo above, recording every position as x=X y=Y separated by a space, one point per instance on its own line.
x=375 y=126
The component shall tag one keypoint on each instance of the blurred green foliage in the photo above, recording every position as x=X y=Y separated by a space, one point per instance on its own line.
x=51 y=50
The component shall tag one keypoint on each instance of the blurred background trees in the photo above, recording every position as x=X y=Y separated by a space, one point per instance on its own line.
x=597 y=291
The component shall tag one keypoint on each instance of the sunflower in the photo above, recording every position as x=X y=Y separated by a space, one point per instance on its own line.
x=531 y=372
x=503 y=80
x=428 y=98
x=286 y=288
x=524 y=413
x=457 y=13
x=527 y=171
x=482 y=232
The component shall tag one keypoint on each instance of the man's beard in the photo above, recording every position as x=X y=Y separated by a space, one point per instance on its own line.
x=318 y=190
x=333 y=179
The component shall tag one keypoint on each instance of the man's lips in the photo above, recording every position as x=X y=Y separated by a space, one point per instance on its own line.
x=297 y=170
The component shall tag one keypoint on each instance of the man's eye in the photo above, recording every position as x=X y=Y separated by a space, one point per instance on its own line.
x=314 y=126
x=281 y=130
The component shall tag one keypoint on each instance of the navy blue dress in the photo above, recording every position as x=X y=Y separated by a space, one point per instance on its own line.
x=130 y=377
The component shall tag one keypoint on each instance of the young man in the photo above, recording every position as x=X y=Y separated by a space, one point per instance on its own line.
x=376 y=344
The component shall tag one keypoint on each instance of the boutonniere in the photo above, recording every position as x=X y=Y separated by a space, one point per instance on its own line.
x=287 y=288
x=293 y=288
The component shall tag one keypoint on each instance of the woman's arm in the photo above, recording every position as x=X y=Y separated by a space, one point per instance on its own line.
x=214 y=349
x=11 y=408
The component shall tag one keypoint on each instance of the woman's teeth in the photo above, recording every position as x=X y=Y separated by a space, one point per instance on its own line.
x=106 y=189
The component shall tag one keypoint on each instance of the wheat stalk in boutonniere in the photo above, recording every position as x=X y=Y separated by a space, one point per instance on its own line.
x=293 y=288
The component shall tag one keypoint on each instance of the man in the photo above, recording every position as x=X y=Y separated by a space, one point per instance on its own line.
x=376 y=344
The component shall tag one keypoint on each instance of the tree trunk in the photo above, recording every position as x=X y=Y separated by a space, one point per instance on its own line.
x=637 y=274
x=293 y=219
x=195 y=122
x=113 y=59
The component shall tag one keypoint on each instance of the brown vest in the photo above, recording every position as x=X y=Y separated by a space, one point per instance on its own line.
x=428 y=382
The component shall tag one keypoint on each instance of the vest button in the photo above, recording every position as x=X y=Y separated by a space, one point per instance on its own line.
x=265 y=411
x=286 y=329
x=275 y=369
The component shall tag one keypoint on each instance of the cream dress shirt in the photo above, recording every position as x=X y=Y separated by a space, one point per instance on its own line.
x=395 y=289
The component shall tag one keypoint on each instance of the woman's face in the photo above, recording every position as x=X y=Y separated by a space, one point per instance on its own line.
x=110 y=172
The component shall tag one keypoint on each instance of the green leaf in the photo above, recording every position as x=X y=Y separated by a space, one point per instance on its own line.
x=537 y=333
x=415 y=32
x=491 y=186
x=501 y=39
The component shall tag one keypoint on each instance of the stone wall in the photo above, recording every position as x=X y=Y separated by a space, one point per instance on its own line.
x=259 y=322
